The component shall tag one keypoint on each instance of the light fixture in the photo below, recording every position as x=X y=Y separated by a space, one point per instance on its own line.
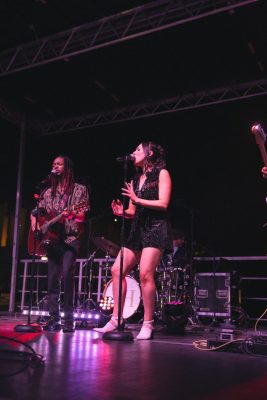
x=107 y=304
x=92 y=315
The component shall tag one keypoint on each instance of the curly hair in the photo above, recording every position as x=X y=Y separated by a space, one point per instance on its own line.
x=157 y=158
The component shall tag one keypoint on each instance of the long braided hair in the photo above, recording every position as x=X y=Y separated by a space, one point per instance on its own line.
x=67 y=177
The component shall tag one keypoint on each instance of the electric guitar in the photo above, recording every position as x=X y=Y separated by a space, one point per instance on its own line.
x=46 y=235
x=260 y=138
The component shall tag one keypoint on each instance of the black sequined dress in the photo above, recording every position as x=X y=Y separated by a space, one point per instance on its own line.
x=150 y=227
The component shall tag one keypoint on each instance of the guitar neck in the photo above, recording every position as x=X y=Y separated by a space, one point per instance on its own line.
x=260 y=138
x=47 y=224
x=79 y=207
x=263 y=154
x=55 y=219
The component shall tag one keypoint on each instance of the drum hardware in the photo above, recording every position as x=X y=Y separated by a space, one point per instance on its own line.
x=110 y=248
x=132 y=299
x=88 y=303
x=135 y=272
x=173 y=284
x=106 y=270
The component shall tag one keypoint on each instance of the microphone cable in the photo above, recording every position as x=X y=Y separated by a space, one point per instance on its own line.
x=28 y=358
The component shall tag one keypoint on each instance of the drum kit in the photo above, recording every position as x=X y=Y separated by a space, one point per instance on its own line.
x=111 y=249
x=172 y=284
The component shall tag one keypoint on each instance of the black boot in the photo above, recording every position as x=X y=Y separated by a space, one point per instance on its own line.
x=69 y=325
x=53 y=324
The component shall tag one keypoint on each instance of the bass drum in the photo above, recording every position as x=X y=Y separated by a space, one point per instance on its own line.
x=133 y=296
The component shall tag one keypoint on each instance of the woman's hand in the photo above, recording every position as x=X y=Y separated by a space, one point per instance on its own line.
x=264 y=172
x=117 y=207
x=128 y=191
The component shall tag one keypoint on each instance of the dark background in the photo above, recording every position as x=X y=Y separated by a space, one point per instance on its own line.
x=211 y=153
x=212 y=157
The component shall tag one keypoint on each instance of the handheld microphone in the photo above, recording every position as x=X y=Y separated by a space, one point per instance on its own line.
x=127 y=158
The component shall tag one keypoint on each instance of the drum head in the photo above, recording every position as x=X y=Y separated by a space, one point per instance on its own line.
x=133 y=296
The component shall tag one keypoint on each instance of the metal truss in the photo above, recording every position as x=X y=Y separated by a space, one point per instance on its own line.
x=9 y=115
x=126 y=25
x=175 y=104
x=16 y=118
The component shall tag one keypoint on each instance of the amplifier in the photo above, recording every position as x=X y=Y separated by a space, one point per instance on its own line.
x=212 y=294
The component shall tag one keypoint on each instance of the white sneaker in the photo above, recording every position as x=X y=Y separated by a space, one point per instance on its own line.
x=111 y=325
x=146 y=332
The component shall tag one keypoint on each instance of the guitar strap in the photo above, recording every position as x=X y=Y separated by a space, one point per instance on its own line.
x=69 y=200
x=66 y=201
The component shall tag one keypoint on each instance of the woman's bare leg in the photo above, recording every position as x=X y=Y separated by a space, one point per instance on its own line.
x=150 y=259
x=130 y=259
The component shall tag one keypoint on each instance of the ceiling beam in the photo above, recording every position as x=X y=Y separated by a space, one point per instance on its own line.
x=8 y=114
x=179 y=103
x=126 y=25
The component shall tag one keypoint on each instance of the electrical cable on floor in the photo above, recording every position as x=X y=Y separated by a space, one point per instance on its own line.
x=258 y=320
x=29 y=358
x=249 y=343
x=203 y=344
x=239 y=316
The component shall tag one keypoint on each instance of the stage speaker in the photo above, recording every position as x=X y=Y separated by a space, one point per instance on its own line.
x=175 y=317
x=212 y=294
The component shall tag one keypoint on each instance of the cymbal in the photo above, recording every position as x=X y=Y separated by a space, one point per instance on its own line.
x=106 y=245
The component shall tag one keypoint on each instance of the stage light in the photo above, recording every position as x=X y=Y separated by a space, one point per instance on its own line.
x=83 y=319
x=33 y=312
x=94 y=314
x=107 y=304
x=93 y=318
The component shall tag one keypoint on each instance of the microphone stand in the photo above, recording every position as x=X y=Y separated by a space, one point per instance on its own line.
x=190 y=302
x=32 y=327
x=120 y=334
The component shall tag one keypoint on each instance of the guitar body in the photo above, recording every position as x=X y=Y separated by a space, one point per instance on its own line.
x=51 y=230
x=45 y=236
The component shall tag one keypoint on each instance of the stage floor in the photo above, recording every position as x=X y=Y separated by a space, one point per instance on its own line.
x=81 y=365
